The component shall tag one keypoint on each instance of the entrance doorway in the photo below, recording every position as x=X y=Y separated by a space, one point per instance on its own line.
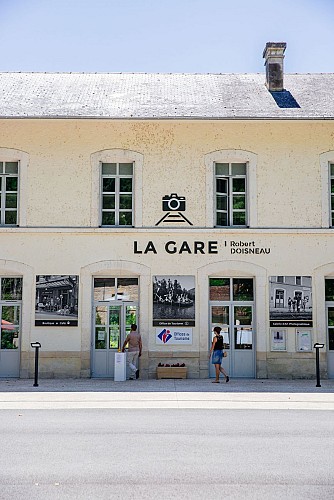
x=10 y=313
x=330 y=342
x=329 y=297
x=112 y=324
x=232 y=308
x=115 y=310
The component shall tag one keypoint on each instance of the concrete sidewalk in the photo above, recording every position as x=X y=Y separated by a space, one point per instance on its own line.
x=167 y=385
x=150 y=394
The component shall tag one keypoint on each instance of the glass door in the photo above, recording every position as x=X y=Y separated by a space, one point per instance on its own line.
x=114 y=327
x=111 y=325
x=220 y=316
x=231 y=308
x=131 y=313
x=330 y=341
x=329 y=297
x=243 y=356
x=9 y=342
x=10 y=331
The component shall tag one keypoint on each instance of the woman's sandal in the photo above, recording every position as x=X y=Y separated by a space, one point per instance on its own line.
x=215 y=382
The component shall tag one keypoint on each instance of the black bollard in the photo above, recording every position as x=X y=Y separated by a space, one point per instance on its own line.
x=36 y=345
x=317 y=347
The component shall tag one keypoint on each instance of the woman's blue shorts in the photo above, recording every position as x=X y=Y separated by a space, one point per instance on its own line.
x=217 y=357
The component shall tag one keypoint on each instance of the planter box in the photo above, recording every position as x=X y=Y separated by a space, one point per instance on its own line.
x=171 y=372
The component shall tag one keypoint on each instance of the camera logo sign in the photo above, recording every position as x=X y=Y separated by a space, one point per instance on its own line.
x=174 y=205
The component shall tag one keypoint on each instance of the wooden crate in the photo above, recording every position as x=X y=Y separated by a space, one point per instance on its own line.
x=171 y=372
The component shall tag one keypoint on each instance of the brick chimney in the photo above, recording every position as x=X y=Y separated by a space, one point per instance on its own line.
x=274 y=55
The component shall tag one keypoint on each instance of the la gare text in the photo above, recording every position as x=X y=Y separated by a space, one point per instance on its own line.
x=199 y=247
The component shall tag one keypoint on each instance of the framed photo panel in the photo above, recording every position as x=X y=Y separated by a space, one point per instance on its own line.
x=56 y=302
x=174 y=301
x=290 y=301
x=278 y=339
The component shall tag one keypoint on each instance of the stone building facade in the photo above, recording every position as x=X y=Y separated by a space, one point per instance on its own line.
x=179 y=202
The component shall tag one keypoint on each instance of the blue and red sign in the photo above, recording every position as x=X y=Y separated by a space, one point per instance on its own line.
x=174 y=336
x=165 y=336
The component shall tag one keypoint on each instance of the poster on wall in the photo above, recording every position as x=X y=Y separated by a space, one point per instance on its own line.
x=278 y=339
x=290 y=301
x=56 y=302
x=303 y=340
x=174 y=301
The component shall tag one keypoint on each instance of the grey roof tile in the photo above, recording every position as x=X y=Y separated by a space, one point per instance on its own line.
x=163 y=96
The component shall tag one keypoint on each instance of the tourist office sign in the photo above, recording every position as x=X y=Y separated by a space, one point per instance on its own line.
x=174 y=336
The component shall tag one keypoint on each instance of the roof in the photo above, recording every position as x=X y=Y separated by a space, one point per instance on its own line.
x=164 y=96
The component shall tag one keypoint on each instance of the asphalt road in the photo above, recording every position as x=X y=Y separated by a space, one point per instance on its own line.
x=166 y=453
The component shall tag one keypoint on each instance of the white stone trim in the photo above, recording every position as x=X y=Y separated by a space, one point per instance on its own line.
x=8 y=154
x=232 y=156
x=325 y=159
x=117 y=156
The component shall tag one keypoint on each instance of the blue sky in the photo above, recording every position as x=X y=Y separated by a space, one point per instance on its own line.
x=195 y=36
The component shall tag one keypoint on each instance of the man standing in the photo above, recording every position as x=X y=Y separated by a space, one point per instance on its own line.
x=133 y=339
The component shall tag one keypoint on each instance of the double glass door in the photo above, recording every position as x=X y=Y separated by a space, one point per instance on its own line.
x=235 y=317
x=112 y=323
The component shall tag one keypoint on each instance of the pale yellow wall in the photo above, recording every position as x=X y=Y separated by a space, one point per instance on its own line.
x=59 y=193
x=104 y=253
x=59 y=179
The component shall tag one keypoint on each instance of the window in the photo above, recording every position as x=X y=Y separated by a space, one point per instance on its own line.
x=10 y=289
x=117 y=194
x=117 y=189
x=331 y=171
x=298 y=280
x=279 y=298
x=227 y=289
x=248 y=163
x=231 y=194
x=10 y=308
x=106 y=289
x=329 y=297
x=329 y=290
x=9 y=180
x=327 y=188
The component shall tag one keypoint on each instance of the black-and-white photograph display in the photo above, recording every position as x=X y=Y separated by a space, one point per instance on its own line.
x=174 y=301
x=56 y=300
x=290 y=301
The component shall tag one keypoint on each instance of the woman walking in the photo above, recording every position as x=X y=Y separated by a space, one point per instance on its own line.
x=217 y=354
